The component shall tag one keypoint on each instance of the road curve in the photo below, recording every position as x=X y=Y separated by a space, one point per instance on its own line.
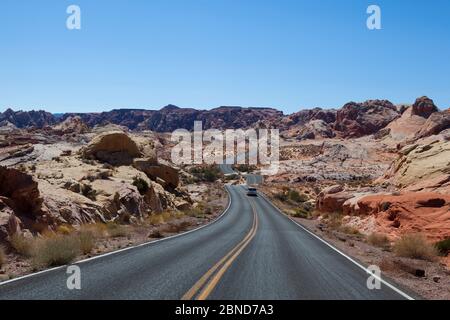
x=251 y=252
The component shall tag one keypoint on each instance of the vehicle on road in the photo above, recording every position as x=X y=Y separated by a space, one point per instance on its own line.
x=251 y=191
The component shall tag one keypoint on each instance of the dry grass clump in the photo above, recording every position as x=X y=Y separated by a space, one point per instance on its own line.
x=2 y=256
x=160 y=218
x=56 y=250
x=115 y=230
x=378 y=240
x=415 y=246
x=178 y=227
x=22 y=245
x=86 y=240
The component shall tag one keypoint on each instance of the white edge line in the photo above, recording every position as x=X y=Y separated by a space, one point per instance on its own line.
x=405 y=295
x=124 y=249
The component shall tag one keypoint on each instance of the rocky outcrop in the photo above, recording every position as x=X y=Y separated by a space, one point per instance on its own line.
x=331 y=199
x=168 y=175
x=315 y=129
x=421 y=166
x=20 y=201
x=424 y=107
x=435 y=124
x=410 y=212
x=359 y=119
x=115 y=148
x=71 y=125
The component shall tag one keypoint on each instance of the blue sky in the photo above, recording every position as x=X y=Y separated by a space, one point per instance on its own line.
x=288 y=54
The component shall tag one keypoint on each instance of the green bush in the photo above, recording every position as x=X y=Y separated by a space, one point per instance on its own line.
x=443 y=247
x=206 y=174
x=141 y=185
x=295 y=196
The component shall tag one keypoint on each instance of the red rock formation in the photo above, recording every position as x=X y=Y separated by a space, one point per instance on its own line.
x=424 y=107
x=359 y=119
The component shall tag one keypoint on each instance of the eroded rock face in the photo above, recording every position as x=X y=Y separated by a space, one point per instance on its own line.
x=155 y=171
x=436 y=123
x=115 y=148
x=23 y=119
x=409 y=212
x=359 y=119
x=422 y=167
x=424 y=107
x=21 y=189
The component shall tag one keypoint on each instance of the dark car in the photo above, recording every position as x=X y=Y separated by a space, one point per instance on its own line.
x=251 y=191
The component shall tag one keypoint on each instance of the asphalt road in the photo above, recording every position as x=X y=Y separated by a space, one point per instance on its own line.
x=251 y=252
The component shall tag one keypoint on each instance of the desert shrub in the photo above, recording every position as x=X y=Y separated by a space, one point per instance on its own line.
x=88 y=192
x=2 y=256
x=349 y=230
x=231 y=177
x=156 y=234
x=304 y=210
x=197 y=212
x=385 y=206
x=334 y=221
x=98 y=229
x=206 y=174
x=22 y=245
x=281 y=196
x=63 y=229
x=55 y=251
x=295 y=196
x=86 y=240
x=415 y=246
x=155 y=219
x=443 y=247
x=245 y=168
x=116 y=230
x=178 y=227
x=141 y=185
x=378 y=240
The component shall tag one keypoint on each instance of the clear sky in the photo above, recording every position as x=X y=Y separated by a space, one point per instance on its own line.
x=288 y=54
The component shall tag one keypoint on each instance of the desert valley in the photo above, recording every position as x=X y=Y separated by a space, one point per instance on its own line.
x=373 y=178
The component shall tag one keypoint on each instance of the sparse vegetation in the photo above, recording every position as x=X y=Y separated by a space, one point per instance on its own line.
x=116 y=230
x=141 y=185
x=22 y=245
x=415 y=246
x=443 y=247
x=378 y=240
x=206 y=173
x=245 y=168
x=86 y=240
x=295 y=196
x=55 y=251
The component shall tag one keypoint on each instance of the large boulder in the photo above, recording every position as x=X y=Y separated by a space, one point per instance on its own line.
x=154 y=171
x=21 y=189
x=360 y=119
x=115 y=148
x=424 y=107
x=331 y=199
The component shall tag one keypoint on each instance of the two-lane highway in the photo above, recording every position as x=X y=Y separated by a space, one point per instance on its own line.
x=251 y=252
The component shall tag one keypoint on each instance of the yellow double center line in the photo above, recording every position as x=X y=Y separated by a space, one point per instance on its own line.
x=211 y=278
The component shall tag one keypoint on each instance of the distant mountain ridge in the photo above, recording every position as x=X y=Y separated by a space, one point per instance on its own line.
x=352 y=120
